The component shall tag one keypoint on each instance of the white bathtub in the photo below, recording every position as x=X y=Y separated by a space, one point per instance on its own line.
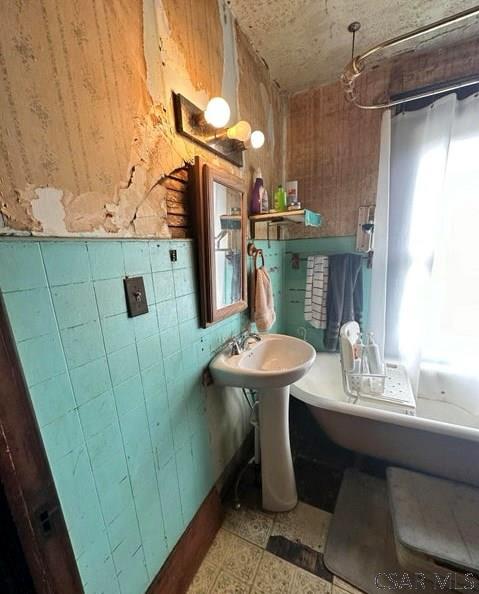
x=442 y=439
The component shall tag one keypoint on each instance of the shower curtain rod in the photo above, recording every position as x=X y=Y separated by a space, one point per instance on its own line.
x=356 y=67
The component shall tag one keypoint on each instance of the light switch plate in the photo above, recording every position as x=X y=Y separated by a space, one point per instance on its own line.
x=136 y=300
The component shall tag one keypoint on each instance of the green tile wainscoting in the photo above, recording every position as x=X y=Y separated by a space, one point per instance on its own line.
x=119 y=400
x=294 y=282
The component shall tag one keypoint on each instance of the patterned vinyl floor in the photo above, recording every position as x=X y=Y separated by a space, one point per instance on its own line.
x=261 y=553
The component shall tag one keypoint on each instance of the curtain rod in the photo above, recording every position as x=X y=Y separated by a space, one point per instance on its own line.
x=356 y=67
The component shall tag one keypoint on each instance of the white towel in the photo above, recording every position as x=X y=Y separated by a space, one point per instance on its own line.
x=315 y=300
x=264 y=314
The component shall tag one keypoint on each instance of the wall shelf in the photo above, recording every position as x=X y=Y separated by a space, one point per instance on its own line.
x=303 y=216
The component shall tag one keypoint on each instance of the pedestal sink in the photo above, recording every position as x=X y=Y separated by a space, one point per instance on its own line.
x=270 y=366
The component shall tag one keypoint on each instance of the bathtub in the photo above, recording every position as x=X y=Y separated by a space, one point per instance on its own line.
x=442 y=439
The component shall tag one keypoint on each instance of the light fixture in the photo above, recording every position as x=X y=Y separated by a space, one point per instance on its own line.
x=240 y=131
x=257 y=139
x=217 y=112
x=209 y=128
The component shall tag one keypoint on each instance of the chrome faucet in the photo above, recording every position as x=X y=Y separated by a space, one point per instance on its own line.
x=247 y=337
x=238 y=345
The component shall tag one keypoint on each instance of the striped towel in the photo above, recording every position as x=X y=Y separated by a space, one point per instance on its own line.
x=316 y=291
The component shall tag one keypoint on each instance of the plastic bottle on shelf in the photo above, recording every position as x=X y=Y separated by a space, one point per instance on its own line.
x=280 y=199
x=264 y=201
x=257 y=193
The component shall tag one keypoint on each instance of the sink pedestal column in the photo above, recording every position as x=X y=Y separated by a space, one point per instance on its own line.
x=277 y=474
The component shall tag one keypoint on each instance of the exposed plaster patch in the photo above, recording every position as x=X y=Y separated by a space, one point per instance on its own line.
x=49 y=210
x=87 y=213
x=18 y=213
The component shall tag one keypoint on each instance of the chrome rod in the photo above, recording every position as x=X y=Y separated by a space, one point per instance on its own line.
x=357 y=65
x=455 y=18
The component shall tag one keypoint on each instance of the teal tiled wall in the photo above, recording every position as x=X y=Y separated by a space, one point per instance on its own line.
x=118 y=400
x=295 y=282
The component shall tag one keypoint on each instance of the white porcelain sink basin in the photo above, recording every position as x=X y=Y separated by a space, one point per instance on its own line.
x=275 y=361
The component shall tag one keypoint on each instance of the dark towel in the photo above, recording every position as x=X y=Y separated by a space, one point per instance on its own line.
x=345 y=296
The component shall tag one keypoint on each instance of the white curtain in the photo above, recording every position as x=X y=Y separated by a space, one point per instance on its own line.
x=377 y=308
x=432 y=297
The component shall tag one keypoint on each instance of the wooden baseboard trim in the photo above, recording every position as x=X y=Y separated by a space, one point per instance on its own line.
x=184 y=560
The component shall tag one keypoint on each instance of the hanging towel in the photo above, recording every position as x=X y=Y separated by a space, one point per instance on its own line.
x=264 y=314
x=315 y=301
x=345 y=295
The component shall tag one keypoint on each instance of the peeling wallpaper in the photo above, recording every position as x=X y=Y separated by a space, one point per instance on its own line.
x=87 y=130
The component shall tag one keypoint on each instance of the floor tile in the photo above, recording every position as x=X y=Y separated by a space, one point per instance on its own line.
x=250 y=524
x=274 y=576
x=305 y=524
x=307 y=583
x=204 y=579
x=228 y=584
x=235 y=555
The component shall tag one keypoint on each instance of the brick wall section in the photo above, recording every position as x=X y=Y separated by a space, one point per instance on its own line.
x=333 y=147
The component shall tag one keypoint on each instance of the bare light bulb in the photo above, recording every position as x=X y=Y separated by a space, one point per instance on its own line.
x=217 y=112
x=257 y=139
x=240 y=131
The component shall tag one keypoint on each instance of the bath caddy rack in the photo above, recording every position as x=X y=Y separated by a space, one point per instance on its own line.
x=390 y=388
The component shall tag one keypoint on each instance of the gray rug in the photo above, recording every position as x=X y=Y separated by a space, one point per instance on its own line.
x=360 y=547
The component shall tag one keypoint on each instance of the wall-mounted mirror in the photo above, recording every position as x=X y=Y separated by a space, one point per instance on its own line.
x=220 y=202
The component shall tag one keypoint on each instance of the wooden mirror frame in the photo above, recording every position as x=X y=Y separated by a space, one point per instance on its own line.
x=204 y=177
